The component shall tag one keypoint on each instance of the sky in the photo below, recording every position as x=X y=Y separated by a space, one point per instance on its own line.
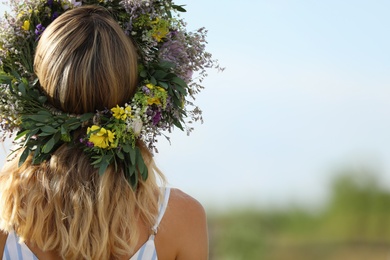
x=304 y=94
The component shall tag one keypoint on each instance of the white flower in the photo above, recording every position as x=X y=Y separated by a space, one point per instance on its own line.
x=136 y=125
x=73 y=3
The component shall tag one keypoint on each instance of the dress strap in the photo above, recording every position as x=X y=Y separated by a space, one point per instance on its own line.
x=162 y=209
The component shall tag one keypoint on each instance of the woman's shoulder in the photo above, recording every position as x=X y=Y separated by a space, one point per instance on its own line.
x=184 y=211
x=184 y=224
x=182 y=203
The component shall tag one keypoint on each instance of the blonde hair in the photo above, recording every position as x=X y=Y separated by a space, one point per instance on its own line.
x=84 y=61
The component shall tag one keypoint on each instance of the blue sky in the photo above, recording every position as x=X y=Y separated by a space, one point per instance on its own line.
x=305 y=93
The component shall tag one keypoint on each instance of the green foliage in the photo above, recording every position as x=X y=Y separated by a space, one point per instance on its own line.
x=353 y=225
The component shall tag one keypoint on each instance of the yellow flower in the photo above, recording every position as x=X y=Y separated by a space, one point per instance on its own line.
x=26 y=25
x=154 y=100
x=161 y=89
x=120 y=112
x=20 y=15
x=160 y=29
x=159 y=34
x=150 y=86
x=101 y=137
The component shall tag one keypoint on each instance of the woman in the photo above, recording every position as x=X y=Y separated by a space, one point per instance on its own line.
x=62 y=208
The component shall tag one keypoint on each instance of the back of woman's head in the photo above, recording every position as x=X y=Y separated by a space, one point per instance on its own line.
x=85 y=62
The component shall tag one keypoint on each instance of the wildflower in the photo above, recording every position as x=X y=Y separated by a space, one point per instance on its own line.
x=160 y=29
x=73 y=3
x=157 y=118
x=101 y=137
x=39 y=29
x=55 y=15
x=154 y=100
x=146 y=89
x=150 y=86
x=26 y=25
x=136 y=125
x=161 y=89
x=120 y=112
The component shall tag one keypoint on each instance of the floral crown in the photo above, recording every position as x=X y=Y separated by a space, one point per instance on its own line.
x=168 y=58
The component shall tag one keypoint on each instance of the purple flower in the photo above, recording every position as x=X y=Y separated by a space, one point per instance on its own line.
x=89 y=144
x=50 y=3
x=146 y=90
x=173 y=51
x=54 y=16
x=156 y=118
x=39 y=29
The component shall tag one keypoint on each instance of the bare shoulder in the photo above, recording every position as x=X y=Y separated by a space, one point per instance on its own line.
x=184 y=204
x=187 y=214
x=185 y=225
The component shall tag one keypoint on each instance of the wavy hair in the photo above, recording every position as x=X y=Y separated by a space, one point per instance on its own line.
x=84 y=62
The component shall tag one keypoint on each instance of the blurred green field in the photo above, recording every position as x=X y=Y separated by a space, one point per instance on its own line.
x=355 y=224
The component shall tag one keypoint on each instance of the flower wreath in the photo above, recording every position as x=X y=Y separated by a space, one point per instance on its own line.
x=168 y=58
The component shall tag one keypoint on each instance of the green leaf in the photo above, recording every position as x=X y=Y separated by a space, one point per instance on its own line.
x=153 y=80
x=40 y=158
x=120 y=155
x=108 y=157
x=103 y=167
x=106 y=160
x=97 y=161
x=49 y=145
x=42 y=99
x=57 y=137
x=126 y=148
x=37 y=158
x=15 y=74
x=86 y=117
x=23 y=156
x=163 y=84
x=160 y=74
x=178 y=124
x=63 y=130
x=38 y=118
x=166 y=65
x=43 y=134
x=180 y=82
x=132 y=156
x=178 y=96
x=141 y=165
x=133 y=181
x=22 y=89
x=21 y=134
x=179 y=8
x=143 y=74
x=44 y=113
x=5 y=78
x=29 y=135
x=49 y=129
